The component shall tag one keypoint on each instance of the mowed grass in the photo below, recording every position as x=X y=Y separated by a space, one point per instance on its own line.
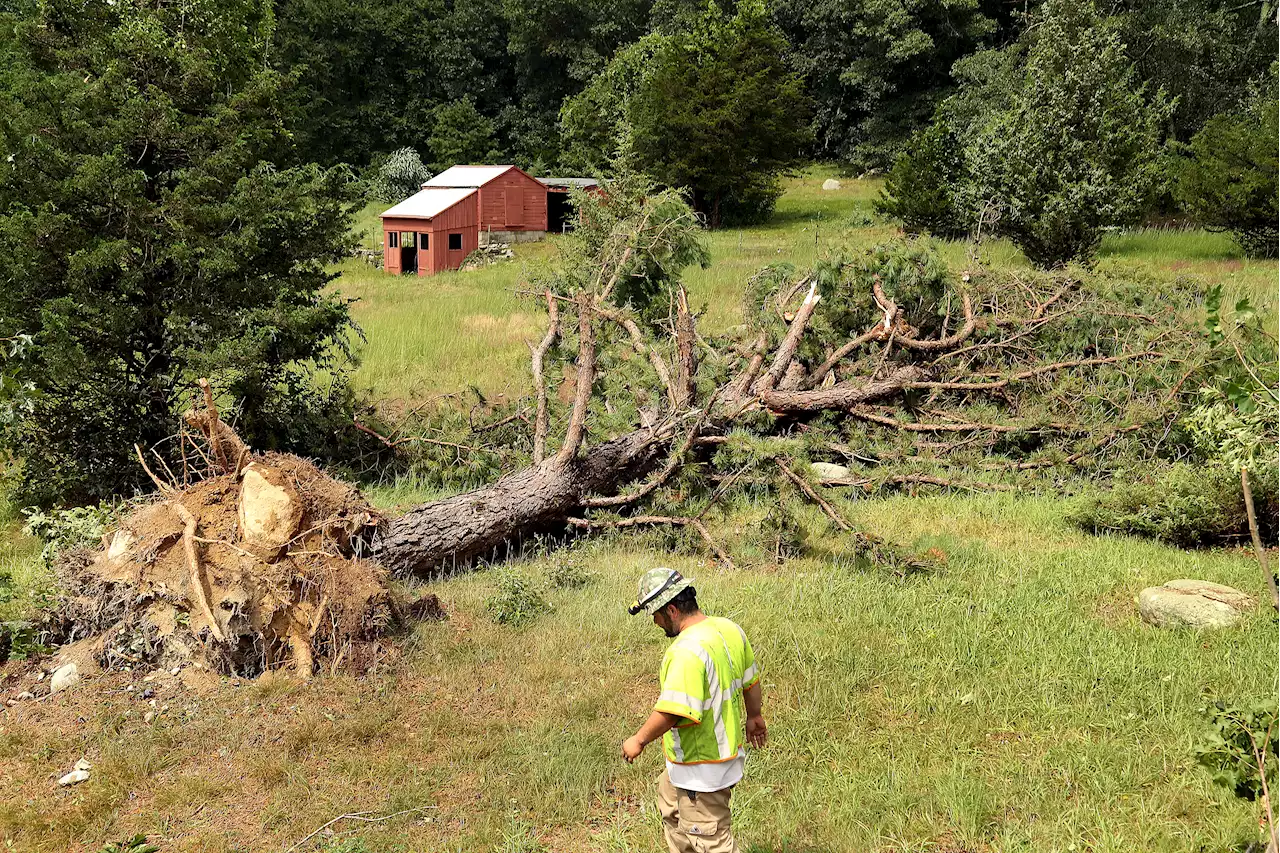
x=1012 y=702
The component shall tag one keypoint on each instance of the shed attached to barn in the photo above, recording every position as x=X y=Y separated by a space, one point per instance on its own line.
x=559 y=209
x=512 y=205
x=431 y=231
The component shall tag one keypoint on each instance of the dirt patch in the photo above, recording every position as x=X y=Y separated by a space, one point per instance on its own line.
x=241 y=573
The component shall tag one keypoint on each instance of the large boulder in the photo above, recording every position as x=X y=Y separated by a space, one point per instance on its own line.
x=831 y=184
x=1188 y=603
x=829 y=471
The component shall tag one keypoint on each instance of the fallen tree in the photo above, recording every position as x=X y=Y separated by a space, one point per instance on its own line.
x=883 y=359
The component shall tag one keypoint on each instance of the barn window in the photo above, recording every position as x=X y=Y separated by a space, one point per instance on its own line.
x=423 y=242
x=455 y=241
x=393 y=240
x=406 y=239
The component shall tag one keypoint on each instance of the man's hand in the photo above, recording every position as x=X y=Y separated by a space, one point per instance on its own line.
x=757 y=731
x=631 y=748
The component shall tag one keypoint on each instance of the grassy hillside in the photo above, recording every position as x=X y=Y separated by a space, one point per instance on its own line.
x=1013 y=701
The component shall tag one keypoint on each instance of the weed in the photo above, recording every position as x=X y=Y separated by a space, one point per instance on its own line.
x=516 y=600
x=137 y=844
x=567 y=571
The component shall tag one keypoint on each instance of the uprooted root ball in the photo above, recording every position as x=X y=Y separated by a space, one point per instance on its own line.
x=241 y=573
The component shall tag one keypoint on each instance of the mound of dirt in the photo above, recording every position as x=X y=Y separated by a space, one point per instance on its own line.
x=243 y=572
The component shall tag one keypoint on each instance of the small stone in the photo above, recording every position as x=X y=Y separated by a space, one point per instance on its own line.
x=147 y=693
x=25 y=695
x=84 y=764
x=63 y=677
x=175 y=670
x=128 y=688
x=149 y=716
x=831 y=184
x=829 y=471
x=40 y=676
x=153 y=703
x=74 y=777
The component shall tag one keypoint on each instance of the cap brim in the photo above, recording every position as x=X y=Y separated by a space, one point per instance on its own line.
x=663 y=600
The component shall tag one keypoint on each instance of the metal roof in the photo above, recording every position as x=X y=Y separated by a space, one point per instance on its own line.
x=466 y=176
x=569 y=182
x=427 y=203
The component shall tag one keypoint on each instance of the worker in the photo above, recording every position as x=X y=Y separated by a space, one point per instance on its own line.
x=710 y=703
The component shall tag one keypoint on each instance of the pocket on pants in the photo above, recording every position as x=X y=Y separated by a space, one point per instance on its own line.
x=705 y=816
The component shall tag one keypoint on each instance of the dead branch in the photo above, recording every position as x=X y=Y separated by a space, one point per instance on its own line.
x=814 y=496
x=676 y=520
x=676 y=460
x=835 y=358
x=947 y=342
x=197 y=571
x=360 y=816
x=844 y=395
x=163 y=487
x=214 y=440
x=637 y=343
x=1037 y=371
x=787 y=349
x=1257 y=540
x=540 y=353
x=958 y=426
x=422 y=438
x=586 y=378
x=686 y=353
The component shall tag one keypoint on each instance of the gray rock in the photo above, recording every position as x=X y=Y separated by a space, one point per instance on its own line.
x=1188 y=603
x=831 y=184
x=63 y=677
x=83 y=764
x=829 y=471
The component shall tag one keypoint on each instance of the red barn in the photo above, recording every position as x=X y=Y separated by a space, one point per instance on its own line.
x=431 y=231
x=512 y=205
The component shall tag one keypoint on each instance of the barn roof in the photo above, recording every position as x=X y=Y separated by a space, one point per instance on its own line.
x=569 y=182
x=427 y=203
x=466 y=176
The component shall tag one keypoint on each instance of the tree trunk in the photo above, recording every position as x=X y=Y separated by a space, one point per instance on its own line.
x=437 y=537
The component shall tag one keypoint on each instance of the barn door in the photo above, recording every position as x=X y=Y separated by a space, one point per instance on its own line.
x=515 y=205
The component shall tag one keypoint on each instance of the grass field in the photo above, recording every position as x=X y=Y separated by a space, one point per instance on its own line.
x=1012 y=701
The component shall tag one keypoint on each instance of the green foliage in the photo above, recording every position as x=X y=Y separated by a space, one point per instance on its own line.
x=1186 y=505
x=1239 y=746
x=400 y=176
x=137 y=844
x=567 y=571
x=152 y=230
x=67 y=529
x=920 y=188
x=876 y=69
x=711 y=108
x=517 y=600
x=1077 y=150
x=460 y=134
x=1230 y=177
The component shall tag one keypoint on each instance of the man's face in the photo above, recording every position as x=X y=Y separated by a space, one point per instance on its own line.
x=664 y=621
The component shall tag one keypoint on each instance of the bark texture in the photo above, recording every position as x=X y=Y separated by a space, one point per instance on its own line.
x=438 y=537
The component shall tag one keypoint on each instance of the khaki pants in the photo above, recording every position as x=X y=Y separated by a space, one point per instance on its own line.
x=695 y=822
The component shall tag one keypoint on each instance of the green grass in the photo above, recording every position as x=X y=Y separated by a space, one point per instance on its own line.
x=1011 y=702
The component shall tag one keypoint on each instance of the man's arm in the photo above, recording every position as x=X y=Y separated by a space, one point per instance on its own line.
x=658 y=724
x=757 y=732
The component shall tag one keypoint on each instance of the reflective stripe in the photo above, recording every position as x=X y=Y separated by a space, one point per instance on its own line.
x=675 y=745
x=678 y=698
x=748 y=676
x=713 y=688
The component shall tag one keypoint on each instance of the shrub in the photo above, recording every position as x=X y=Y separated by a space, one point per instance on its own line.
x=567 y=571
x=64 y=529
x=1231 y=176
x=516 y=601
x=1187 y=506
x=1236 y=737
x=920 y=188
x=1078 y=148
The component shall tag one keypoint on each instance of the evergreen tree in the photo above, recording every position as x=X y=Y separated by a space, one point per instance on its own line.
x=153 y=230
x=1078 y=147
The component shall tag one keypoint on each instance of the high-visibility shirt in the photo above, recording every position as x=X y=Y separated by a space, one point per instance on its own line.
x=703 y=675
